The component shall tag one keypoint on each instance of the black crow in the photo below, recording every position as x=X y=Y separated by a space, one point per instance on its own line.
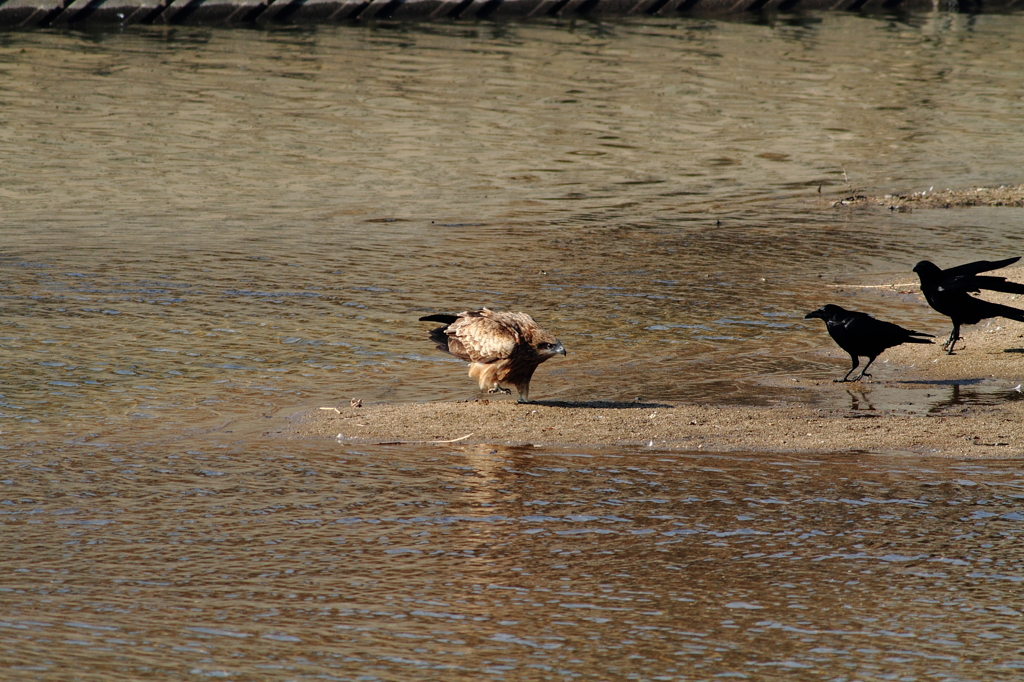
x=947 y=292
x=860 y=334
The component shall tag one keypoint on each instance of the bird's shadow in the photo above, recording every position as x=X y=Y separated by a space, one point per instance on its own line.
x=942 y=382
x=599 y=404
x=1005 y=350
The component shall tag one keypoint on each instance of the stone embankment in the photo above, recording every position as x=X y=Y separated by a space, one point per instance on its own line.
x=79 y=13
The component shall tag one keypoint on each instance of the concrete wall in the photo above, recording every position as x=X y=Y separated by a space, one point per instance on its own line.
x=56 y=13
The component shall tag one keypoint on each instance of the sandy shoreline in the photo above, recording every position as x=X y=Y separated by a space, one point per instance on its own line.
x=991 y=351
x=1004 y=195
x=977 y=432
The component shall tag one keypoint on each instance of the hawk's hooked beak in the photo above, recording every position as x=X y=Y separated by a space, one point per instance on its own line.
x=559 y=349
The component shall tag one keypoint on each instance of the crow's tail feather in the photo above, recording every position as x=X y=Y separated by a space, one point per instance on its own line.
x=911 y=336
x=999 y=284
x=1000 y=310
x=1009 y=312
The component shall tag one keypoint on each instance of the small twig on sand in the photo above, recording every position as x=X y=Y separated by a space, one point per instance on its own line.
x=870 y=286
x=337 y=411
x=420 y=442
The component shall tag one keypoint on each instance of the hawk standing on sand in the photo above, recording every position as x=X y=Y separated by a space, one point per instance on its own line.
x=501 y=347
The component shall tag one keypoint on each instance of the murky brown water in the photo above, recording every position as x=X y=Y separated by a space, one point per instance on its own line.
x=202 y=229
x=252 y=562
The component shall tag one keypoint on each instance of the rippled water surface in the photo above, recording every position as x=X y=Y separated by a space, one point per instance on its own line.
x=300 y=562
x=203 y=230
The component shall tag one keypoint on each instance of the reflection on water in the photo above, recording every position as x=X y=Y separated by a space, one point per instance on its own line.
x=202 y=229
x=395 y=563
x=927 y=397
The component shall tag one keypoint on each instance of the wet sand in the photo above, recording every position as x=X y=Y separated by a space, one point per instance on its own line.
x=992 y=350
x=1004 y=195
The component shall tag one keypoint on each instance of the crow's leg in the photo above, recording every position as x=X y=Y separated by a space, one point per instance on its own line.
x=847 y=377
x=864 y=372
x=954 y=336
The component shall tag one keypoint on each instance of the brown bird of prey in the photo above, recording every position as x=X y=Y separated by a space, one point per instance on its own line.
x=502 y=347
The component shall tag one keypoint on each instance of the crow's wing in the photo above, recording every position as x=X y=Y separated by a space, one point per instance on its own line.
x=863 y=323
x=880 y=332
x=854 y=330
x=976 y=267
x=977 y=283
x=997 y=284
x=897 y=334
x=868 y=327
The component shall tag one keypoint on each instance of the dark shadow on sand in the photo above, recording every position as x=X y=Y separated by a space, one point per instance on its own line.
x=600 y=404
x=942 y=382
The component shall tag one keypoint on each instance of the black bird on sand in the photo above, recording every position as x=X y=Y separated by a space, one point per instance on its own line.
x=859 y=334
x=947 y=292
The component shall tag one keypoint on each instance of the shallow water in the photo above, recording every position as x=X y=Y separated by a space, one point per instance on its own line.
x=197 y=222
x=204 y=230
x=396 y=563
